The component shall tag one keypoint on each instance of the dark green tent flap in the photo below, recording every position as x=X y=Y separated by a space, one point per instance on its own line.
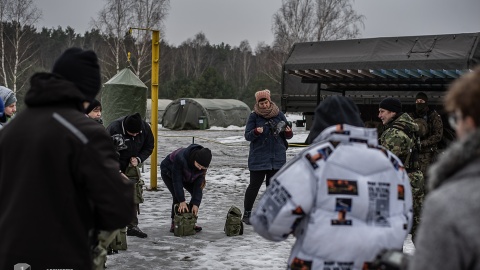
x=122 y=95
x=197 y=113
x=162 y=105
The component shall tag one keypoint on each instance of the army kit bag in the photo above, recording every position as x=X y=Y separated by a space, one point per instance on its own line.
x=184 y=223
x=233 y=224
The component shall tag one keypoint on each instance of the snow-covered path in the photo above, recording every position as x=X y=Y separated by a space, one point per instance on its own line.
x=227 y=180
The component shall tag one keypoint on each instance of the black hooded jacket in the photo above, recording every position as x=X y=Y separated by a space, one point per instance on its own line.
x=140 y=146
x=59 y=180
x=331 y=111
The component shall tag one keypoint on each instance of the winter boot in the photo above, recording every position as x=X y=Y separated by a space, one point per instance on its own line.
x=197 y=228
x=135 y=231
x=246 y=217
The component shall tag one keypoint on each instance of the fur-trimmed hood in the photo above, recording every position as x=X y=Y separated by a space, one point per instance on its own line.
x=456 y=162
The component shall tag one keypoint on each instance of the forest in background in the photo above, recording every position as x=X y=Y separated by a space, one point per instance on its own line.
x=195 y=68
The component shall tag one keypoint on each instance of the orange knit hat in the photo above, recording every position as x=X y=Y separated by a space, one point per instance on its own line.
x=262 y=94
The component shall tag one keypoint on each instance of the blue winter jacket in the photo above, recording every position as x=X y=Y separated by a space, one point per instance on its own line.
x=176 y=166
x=267 y=150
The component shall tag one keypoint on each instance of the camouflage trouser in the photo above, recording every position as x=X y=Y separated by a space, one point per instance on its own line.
x=100 y=251
x=418 y=194
x=424 y=162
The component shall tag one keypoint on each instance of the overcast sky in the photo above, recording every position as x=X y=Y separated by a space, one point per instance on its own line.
x=231 y=21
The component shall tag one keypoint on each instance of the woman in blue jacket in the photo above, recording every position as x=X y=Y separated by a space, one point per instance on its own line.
x=267 y=133
x=185 y=168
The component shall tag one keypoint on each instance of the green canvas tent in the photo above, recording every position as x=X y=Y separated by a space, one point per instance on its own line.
x=162 y=105
x=198 y=113
x=122 y=95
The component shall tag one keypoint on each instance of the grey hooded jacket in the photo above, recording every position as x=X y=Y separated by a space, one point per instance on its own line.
x=448 y=237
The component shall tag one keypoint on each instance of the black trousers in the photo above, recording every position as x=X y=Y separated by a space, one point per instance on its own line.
x=169 y=183
x=256 y=181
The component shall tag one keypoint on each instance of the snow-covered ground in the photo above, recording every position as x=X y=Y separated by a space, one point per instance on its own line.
x=227 y=179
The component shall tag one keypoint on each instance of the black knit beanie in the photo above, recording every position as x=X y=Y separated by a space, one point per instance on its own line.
x=423 y=96
x=133 y=123
x=203 y=157
x=331 y=111
x=391 y=104
x=81 y=68
x=95 y=103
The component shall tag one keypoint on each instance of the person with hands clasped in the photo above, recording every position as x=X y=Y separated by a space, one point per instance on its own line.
x=138 y=139
x=185 y=168
x=267 y=132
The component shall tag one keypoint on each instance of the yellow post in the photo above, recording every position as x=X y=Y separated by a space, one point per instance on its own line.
x=154 y=88
x=154 y=120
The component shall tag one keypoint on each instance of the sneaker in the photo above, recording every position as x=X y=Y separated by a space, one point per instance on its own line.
x=135 y=231
x=246 y=217
x=197 y=228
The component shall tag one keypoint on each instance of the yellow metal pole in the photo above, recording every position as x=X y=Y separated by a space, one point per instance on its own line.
x=154 y=120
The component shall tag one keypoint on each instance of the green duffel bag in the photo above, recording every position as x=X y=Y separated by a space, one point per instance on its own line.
x=184 y=223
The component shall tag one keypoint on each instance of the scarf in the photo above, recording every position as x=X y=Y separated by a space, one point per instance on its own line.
x=267 y=113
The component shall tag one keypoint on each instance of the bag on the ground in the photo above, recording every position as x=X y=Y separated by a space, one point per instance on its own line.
x=120 y=240
x=99 y=254
x=184 y=223
x=233 y=224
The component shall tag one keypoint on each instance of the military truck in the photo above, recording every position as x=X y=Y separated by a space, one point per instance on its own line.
x=368 y=70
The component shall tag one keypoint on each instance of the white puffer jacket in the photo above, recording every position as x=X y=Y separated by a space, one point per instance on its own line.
x=344 y=198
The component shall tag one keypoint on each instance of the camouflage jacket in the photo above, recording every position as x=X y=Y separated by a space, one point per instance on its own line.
x=435 y=130
x=397 y=140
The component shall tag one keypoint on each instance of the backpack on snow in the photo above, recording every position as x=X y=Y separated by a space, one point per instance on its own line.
x=184 y=223
x=233 y=224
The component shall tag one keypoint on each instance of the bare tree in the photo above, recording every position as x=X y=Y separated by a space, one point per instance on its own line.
x=112 y=21
x=245 y=65
x=314 y=20
x=200 y=57
x=336 y=19
x=310 y=20
x=270 y=61
x=23 y=14
x=293 y=22
x=147 y=14
x=3 y=15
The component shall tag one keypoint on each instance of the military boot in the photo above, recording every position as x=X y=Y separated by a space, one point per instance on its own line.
x=246 y=217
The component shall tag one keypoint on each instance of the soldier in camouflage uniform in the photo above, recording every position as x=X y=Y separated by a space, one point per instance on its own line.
x=399 y=137
x=428 y=142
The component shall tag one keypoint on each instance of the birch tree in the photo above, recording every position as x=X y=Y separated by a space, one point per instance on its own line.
x=148 y=14
x=112 y=21
x=3 y=16
x=23 y=15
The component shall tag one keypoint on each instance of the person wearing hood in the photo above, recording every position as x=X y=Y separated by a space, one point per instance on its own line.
x=186 y=168
x=1 y=110
x=267 y=132
x=399 y=136
x=448 y=234
x=341 y=193
x=9 y=105
x=63 y=184
x=433 y=134
x=138 y=138
x=94 y=111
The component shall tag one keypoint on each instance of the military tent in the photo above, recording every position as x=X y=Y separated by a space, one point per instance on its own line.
x=122 y=95
x=162 y=105
x=197 y=113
